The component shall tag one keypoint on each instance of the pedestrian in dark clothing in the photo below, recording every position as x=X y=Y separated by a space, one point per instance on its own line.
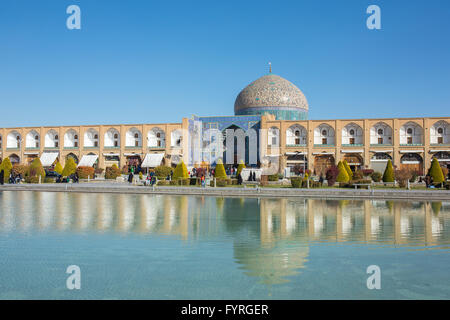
x=130 y=177
x=2 y=177
x=254 y=176
x=321 y=179
x=239 y=178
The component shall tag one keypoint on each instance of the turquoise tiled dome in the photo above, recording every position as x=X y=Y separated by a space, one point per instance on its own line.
x=272 y=94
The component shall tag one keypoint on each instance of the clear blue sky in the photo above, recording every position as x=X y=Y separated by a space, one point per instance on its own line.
x=158 y=61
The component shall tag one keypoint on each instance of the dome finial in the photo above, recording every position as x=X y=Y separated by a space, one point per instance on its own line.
x=270 y=67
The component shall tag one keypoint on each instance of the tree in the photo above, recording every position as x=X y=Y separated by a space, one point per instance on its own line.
x=36 y=169
x=6 y=166
x=240 y=167
x=162 y=171
x=343 y=175
x=70 y=167
x=436 y=172
x=58 y=168
x=349 y=171
x=219 y=172
x=331 y=175
x=180 y=171
x=388 y=175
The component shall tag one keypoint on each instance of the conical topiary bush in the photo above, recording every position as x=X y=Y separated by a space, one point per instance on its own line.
x=436 y=172
x=388 y=175
x=58 y=168
x=180 y=171
x=69 y=168
x=342 y=175
x=349 y=171
x=36 y=169
x=219 y=172
x=6 y=166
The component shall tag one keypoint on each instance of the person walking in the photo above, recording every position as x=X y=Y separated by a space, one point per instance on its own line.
x=2 y=176
x=239 y=179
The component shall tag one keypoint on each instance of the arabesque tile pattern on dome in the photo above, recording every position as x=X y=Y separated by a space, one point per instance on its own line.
x=270 y=91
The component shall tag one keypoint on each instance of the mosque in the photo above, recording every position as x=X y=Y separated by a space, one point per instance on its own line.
x=271 y=114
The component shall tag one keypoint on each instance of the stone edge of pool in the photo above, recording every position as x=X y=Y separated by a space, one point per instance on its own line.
x=234 y=192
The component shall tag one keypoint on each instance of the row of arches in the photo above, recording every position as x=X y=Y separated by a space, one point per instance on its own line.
x=411 y=133
x=411 y=161
x=156 y=137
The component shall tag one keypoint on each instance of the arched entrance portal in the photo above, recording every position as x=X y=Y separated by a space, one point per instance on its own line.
x=322 y=162
x=354 y=160
x=412 y=162
x=296 y=162
x=135 y=162
x=14 y=159
x=72 y=156
x=379 y=161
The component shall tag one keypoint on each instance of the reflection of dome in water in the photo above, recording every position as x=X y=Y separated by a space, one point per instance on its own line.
x=271 y=265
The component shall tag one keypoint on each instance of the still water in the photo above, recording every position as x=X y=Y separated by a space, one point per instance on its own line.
x=189 y=247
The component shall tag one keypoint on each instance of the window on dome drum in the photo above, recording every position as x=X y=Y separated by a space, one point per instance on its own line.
x=352 y=140
x=324 y=140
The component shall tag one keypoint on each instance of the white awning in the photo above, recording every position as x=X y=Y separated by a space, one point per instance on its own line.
x=47 y=158
x=111 y=154
x=30 y=153
x=411 y=151
x=132 y=154
x=433 y=151
x=296 y=153
x=152 y=160
x=353 y=151
x=88 y=160
x=381 y=151
x=322 y=153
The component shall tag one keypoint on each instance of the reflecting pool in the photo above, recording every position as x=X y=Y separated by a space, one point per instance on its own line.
x=194 y=247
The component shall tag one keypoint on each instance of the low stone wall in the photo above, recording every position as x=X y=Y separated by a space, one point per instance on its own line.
x=237 y=192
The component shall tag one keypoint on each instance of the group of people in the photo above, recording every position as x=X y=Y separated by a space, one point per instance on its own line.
x=13 y=177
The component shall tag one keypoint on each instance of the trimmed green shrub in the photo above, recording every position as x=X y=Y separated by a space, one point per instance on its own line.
x=20 y=169
x=240 y=167
x=376 y=176
x=388 y=175
x=163 y=183
x=349 y=171
x=358 y=175
x=85 y=172
x=48 y=180
x=6 y=166
x=221 y=183
x=34 y=179
x=219 y=171
x=163 y=171
x=273 y=177
x=112 y=172
x=58 y=168
x=180 y=171
x=436 y=172
x=69 y=168
x=36 y=169
x=343 y=176
x=141 y=176
x=296 y=182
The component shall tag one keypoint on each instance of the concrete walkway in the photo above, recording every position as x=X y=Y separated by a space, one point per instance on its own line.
x=114 y=187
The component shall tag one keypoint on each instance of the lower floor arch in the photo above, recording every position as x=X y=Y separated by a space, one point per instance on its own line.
x=296 y=162
x=412 y=162
x=72 y=156
x=354 y=160
x=133 y=161
x=379 y=161
x=14 y=159
x=322 y=162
